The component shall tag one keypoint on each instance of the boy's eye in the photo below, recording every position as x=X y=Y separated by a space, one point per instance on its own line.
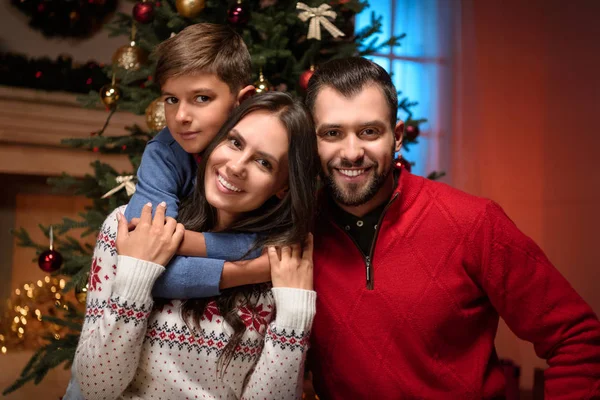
x=202 y=99
x=171 y=100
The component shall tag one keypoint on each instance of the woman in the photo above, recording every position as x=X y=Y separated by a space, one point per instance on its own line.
x=257 y=176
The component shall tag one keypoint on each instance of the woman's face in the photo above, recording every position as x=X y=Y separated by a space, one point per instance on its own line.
x=249 y=167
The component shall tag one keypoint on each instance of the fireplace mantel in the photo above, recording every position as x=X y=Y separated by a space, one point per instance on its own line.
x=33 y=122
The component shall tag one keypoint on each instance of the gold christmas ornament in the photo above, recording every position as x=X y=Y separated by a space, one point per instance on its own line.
x=189 y=8
x=81 y=294
x=155 y=115
x=262 y=85
x=130 y=57
x=110 y=95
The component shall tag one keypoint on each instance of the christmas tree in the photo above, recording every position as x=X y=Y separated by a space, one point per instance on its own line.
x=286 y=39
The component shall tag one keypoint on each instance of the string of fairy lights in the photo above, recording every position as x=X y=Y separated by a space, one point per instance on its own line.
x=21 y=323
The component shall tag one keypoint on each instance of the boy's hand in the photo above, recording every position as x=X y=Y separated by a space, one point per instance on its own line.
x=293 y=267
x=154 y=240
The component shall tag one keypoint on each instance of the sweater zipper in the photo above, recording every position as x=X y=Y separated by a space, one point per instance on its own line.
x=369 y=258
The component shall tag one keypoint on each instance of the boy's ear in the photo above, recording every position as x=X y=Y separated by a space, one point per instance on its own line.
x=399 y=134
x=282 y=192
x=245 y=93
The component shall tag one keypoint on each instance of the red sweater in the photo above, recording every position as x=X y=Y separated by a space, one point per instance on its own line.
x=445 y=265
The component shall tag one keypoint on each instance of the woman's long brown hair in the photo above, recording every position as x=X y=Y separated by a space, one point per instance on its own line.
x=277 y=222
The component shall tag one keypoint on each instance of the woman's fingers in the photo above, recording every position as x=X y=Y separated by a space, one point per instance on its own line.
x=178 y=234
x=170 y=226
x=133 y=223
x=286 y=254
x=146 y=217
x=307 y=252
x=122 y=230
x=159 y=216
x=296 y=251
x=273 y=257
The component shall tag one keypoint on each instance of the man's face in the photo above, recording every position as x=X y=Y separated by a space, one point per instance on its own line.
x=356 y=143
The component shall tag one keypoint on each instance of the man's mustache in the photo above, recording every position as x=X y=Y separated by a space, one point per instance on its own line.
x=350 y=164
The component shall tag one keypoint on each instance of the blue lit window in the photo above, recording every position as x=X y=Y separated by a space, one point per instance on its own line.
x=420 y=69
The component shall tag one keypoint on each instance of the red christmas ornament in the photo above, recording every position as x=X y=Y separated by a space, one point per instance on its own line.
x=305 y=77
x=403 y=163
x=411 y=132
x=50 y=260
x=238 y=15
x=143 y=12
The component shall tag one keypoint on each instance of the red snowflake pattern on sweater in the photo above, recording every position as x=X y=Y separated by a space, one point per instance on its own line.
x=254 y=317
x=94 y=281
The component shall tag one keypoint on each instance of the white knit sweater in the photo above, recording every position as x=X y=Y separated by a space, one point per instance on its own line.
x=130 y=350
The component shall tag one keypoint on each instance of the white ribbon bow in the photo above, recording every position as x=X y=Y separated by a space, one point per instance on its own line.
x=124 y=182
x=318 y=16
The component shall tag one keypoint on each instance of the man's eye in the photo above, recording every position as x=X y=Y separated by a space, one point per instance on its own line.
x=171 y=100
x=369 y=132
x=202 y=99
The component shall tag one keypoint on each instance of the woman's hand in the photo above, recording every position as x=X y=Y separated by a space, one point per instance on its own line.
x=292 y=266
x=155 y=240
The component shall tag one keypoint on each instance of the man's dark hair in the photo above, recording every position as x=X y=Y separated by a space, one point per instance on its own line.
x=349 y=76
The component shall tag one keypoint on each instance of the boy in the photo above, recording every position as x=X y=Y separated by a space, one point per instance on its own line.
x=203 y=73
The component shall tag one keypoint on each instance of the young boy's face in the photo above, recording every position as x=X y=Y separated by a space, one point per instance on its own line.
x=196 y=106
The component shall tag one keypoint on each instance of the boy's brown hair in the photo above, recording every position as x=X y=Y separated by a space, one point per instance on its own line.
x=205 y=48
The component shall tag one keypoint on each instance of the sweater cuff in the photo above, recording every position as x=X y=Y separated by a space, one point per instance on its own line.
x=295 y=307
x=135 y=278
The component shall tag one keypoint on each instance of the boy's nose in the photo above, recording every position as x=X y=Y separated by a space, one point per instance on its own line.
x=183 y=115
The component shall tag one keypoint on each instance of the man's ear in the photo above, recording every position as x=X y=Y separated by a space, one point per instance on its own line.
x=245 y=93
x=280 y=195
x=398 y=135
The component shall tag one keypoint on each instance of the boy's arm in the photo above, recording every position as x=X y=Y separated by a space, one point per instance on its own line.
x=196 y=277
x=159 y=179
x=221 y=246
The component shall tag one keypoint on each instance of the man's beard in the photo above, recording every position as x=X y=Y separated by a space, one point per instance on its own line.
x=352 y=195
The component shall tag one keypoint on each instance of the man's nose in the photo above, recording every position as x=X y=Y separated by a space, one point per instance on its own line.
x=353 y=149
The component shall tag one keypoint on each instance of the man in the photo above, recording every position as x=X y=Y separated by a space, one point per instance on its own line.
x=413 y=275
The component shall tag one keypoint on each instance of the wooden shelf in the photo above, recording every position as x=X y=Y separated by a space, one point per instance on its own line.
x=33 y=122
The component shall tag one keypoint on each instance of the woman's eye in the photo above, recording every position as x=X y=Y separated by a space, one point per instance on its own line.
x=331 y=133
x=264 y=163
x=235 y=143
x=202 y=99
x=171 y=100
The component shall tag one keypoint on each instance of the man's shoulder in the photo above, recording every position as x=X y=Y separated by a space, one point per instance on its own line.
x=460 y=205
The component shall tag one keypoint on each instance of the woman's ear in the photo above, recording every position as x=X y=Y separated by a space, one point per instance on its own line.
x=281 y=194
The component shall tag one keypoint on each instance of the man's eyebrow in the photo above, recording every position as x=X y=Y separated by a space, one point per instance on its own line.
x=375 y=122
x=329 y=126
